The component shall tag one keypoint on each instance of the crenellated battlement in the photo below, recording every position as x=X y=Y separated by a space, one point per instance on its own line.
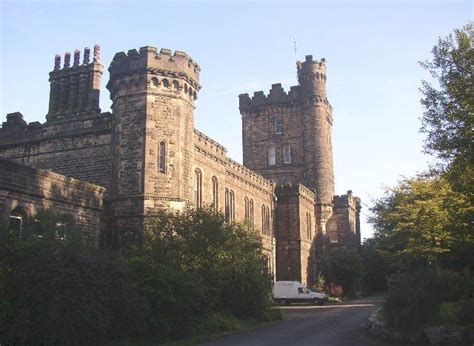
x=241 y=172
x=147 y=59
x=208 y=144
x=347 y=200
x=276 y=95
x=75 y=89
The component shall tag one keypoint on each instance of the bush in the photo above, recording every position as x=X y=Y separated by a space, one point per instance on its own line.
x=193 y=265
x=54 y=292
x=414 y=299
x=333 y=290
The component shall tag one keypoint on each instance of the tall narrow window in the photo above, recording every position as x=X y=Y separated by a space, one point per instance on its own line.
x=309 y=233
x=333 y=233
x=232 y=205
x=272 y=155
x=246 y=209
x=251 y=217
x=227 y=205
x=278 y=126
x=263 y=219
x=267 y=220
x=162 y=157
x=198 y=189
x=287 y=153
x=215 y=193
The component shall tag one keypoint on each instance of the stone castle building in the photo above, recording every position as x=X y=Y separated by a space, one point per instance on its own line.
x=113 y=170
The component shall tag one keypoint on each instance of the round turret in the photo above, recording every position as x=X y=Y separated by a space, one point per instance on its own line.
x=312 y=76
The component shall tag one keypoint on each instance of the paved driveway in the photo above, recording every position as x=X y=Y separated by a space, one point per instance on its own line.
x=342 y=324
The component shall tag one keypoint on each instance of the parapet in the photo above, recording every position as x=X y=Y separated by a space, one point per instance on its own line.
x=75 y=89
x=276 y=95
x=248 y=176
x=296 y=189
x=347 y=200
x=148 y=59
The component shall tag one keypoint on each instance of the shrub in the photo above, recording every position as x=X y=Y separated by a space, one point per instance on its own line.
x=54 y=292
x=333 y=290
x=414 y=299
x=344 y=267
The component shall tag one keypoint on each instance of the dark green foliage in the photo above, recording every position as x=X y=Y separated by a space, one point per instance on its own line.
x=54 y=292
x=376 y=268
x=344 y=267
x=193 y=265
x=414 y=299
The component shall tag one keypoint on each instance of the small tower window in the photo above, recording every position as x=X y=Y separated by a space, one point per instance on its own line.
x=162 y=157
x=287 y=153
x=215 y=193
x=278 y=126
x=166 y=83
x=272 y=155
x=198 y=190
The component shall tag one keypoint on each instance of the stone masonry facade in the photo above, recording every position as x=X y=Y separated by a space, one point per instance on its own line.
x=112 y=170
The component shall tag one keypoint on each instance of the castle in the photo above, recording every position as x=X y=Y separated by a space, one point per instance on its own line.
x=113 y=170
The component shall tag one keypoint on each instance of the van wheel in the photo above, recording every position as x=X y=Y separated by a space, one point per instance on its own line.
x=284 y=302
x=317 y=301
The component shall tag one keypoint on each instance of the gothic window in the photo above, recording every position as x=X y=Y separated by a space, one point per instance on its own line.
x=247 y=209
x=227 y=205
x=268 y=220
x=278 y=126
x=231 y=205
x=162 y=157
x=215 y=193
x=287 y=153
x=308 y=226
x=198 y=189
x=251 y=215
x=272 y=155
x=332 y=232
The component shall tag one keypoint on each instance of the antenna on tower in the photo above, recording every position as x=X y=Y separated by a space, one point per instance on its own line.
x=296 y=48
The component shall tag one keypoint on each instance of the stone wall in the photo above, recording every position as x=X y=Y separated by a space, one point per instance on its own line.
x=343 y=228
x=79 y=148
x=29 y=189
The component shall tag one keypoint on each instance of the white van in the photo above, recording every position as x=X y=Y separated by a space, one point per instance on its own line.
x=286 y=292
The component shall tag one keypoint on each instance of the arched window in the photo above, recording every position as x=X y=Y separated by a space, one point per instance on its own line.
x=251 y=215
x=272 y=155
x=227 y=205
x=154 y=82
x=332 y=232
x=175 y=84
x=162 y=157
x=246 y=209
x=267 y=220
x=215 y=193
x=309 y=233
x=198 y=188
x=166 y=83
x=263 y=220
x=17 y=219
x=232 y=206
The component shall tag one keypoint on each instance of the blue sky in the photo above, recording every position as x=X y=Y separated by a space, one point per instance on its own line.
x=372 y=49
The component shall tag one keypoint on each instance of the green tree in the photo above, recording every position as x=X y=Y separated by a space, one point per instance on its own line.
x=344 y=267
x=448 y=119
x=193 y=265
x=422 y=222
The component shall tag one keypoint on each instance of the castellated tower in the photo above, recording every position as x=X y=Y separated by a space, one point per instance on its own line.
x=75 y=89
x=153 y=96
x=287 y=136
